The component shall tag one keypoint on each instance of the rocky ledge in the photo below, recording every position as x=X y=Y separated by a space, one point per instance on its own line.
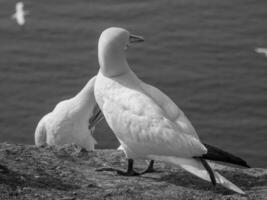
x=69 y=173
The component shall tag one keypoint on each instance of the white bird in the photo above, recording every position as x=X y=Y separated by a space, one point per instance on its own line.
x=147 y=123
x=20 y=14
x=261 y=50
x=72 y=121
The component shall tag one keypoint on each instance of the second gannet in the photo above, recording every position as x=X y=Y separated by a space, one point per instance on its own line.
x=72 y=121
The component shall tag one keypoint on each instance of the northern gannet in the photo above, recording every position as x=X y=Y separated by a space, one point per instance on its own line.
x=72 y=121
x=147 y=123
x=20 y=14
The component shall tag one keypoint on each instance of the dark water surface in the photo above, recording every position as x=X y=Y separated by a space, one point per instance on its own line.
x=200 y=53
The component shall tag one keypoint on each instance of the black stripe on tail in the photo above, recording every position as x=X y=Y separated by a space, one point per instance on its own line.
x=217 y=154
x=209 y=170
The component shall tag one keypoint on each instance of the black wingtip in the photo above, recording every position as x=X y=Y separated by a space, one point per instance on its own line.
x=246 y=165
x=217 y=154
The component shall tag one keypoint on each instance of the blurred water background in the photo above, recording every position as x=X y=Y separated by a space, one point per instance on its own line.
x=200 y=53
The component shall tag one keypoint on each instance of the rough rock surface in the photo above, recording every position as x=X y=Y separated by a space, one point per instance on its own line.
x=69 y=173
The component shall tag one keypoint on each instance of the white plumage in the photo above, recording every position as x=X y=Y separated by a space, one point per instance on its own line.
x=20 y=14
x=261 y=50
x=142 y=125
x=147 y=123
x=69 y=121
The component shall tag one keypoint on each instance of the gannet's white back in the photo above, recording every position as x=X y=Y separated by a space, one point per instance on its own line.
x=147 y=123
x=68 y=122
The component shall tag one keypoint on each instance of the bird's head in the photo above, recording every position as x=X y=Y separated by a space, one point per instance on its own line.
x=111 y=46
x=117 y=38
x=19 y=6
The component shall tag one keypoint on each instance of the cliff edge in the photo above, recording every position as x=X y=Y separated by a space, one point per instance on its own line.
x=69 y=173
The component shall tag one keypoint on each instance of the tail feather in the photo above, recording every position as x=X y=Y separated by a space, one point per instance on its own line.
x=217 y=154
x=194 y=166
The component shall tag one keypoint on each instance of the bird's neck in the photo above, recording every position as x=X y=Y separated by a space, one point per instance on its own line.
x=113 y=62
x=86 y=95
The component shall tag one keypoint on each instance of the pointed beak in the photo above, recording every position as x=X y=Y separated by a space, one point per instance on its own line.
x=136 y=39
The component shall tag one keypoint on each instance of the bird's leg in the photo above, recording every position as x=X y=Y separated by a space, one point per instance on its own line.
x=150 y=168
x=130 y=171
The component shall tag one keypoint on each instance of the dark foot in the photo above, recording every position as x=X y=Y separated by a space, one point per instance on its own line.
x=42 y=145
x=130 y=171
x=150 y=168
x=119 y=172
x=108 y=169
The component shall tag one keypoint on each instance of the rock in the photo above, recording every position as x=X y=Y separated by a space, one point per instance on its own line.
x=70 y=173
